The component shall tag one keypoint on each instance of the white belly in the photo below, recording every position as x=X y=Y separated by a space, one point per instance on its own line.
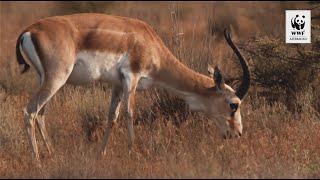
x=95 y=66
x=92 y=66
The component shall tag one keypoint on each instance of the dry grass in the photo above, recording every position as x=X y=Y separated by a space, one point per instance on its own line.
x=170 y=141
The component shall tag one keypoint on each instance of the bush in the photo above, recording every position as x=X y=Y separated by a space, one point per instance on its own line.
x=282 y=71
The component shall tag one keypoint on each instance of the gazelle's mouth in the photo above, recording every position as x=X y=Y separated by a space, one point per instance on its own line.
x=230 y=135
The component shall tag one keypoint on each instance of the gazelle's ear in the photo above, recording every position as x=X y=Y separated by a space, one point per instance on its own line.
x=210 y=70
x=218 y=79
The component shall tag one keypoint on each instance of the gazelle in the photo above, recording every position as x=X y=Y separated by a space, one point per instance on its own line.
x=88 y=47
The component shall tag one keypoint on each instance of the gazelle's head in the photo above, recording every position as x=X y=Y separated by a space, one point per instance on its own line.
x=224 y=104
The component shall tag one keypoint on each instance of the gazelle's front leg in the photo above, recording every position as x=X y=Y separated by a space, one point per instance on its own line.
x=114 y=108
x=130 y=84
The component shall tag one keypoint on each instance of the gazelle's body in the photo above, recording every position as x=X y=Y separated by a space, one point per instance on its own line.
x=84 y=48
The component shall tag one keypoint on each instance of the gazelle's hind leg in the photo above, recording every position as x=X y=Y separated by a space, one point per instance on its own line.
x=42 y=128
x=47 y=90
x=30 y=122
x=54 y=66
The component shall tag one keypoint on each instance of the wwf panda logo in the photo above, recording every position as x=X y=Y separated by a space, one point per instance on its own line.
x=298 y=22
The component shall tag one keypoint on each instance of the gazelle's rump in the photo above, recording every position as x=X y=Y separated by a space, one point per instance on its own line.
x=29 y=52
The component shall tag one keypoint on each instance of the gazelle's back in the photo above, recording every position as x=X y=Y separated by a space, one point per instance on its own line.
x=88 y=22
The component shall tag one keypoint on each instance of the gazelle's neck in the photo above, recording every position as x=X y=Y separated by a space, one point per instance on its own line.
x=185 y=82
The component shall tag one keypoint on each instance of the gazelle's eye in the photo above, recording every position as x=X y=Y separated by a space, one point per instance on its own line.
x=234 y=106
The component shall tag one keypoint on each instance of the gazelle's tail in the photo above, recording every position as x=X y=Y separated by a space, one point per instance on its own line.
x=20 y=58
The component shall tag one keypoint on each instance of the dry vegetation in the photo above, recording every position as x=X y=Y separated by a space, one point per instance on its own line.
x=171 y=141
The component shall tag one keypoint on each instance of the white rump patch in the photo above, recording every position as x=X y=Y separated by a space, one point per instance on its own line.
x=29 y=53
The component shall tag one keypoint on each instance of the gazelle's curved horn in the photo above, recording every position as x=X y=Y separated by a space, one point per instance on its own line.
x=245 y=85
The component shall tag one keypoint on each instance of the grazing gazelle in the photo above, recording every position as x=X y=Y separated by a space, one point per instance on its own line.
x=85 y=48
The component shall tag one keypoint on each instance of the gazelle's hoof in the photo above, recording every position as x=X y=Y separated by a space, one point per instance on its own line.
x=36 y=157
x=104 y=152
x=50 y=154
x=50 y=151
x=130 y=149
x=37 y=162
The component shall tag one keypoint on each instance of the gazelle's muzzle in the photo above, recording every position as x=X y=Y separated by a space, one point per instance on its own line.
x=232 y=134
x=231 y=128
